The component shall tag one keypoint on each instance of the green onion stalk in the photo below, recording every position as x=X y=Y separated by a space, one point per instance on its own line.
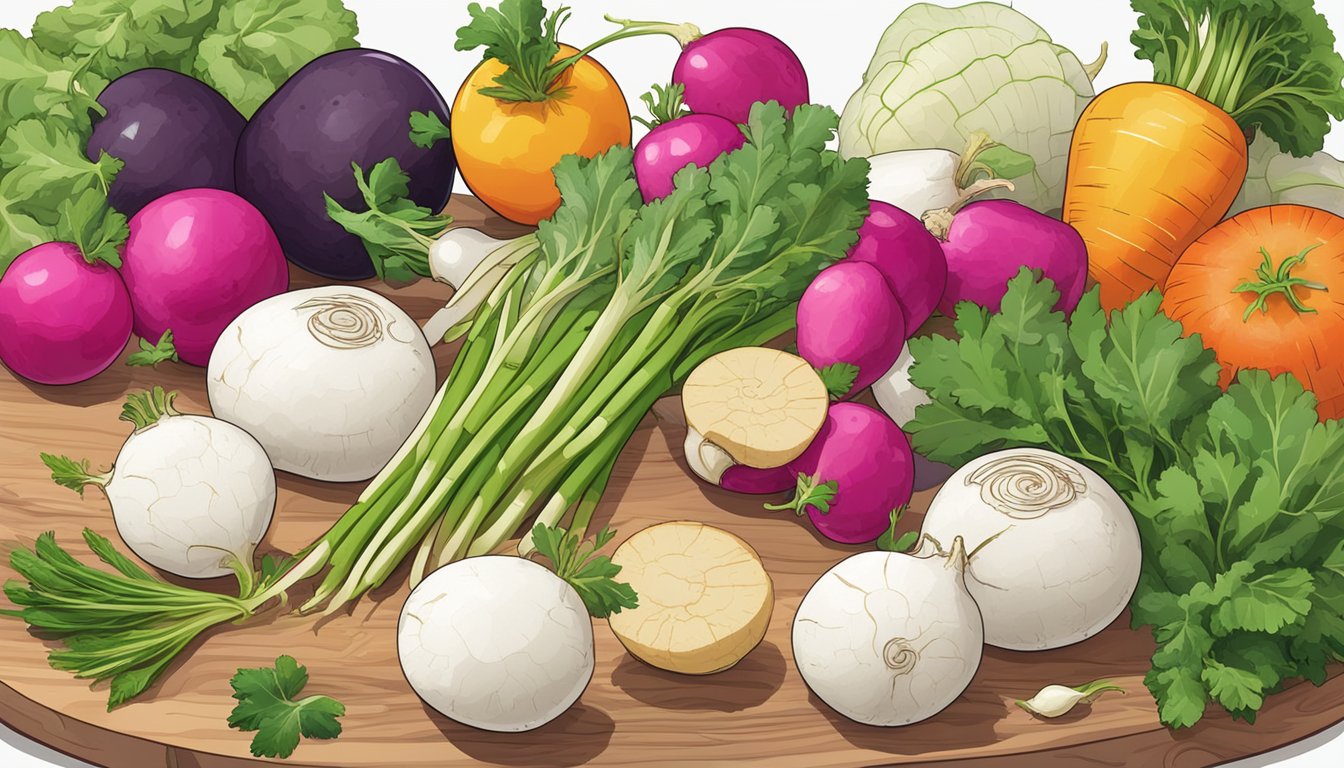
x=581 y=330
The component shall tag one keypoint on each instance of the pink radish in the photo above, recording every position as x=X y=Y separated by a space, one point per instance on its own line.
x=857 y=470
x=988 y=242
x=849 y=317
x=908 y=256
x=63 y=317
x=195 y=260
x=726 y=71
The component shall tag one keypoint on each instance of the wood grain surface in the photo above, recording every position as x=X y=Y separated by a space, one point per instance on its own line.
x=757 y=713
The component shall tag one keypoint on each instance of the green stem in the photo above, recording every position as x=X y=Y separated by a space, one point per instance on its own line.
x=1278 y=281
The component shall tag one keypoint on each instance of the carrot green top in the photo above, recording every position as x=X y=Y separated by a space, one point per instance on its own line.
x=1270 y=64
x=521 y=35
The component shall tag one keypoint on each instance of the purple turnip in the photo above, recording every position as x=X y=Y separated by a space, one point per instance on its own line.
x=848 y=316
x=726 y=71
x=195 y=260
x=986 y=243
x=907 y=255
x=677 y=140
x=63 y=317
x=857 y=470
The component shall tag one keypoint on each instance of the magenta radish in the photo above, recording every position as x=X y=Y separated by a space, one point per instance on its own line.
x=195 y=260
x=726 y=71
x=848 y=317
x=677 y=140
x=907 y=255
x=857 y=470
x=64 y=317
x=986 y=243
x=740 y=478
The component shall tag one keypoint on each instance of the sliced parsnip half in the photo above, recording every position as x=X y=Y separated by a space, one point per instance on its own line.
x=754 y=406
x=704 y=598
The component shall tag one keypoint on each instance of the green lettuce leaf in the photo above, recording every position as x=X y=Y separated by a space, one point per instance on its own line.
x=257 y=44
x=939 y=75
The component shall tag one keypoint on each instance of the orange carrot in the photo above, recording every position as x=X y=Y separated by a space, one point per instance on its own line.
x=1265 y=289
x=1154 y=165
x=1151 y=168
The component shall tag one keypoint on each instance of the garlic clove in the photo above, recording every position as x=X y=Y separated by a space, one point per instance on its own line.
x=1057 y=700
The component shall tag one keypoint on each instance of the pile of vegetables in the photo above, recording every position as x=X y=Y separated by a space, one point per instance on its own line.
x=1167 y=441
x=1238 y=495
x=615 y=304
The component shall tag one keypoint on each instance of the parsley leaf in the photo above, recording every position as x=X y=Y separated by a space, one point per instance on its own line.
x=257 y=44
x=592 y=575
x=397 y=233
x=427 y=128
x=809 y=493
x=47 y=168
x=1238 y=495
x=268 y=704
x=890 y=542
x=838 y=378
x=113 y=37
x=153 y=354
x=97 y=230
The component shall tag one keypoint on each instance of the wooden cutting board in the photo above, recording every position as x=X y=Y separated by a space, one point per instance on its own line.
x=757 y=713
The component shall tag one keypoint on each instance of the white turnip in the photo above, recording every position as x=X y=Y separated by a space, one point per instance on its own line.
x=889 y=639
x=190 y=495
x=331 y=380
x=495 y=642
x=1057 y=551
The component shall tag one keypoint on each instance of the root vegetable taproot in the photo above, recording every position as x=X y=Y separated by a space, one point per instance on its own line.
x=1152 y=166
x=705 y=598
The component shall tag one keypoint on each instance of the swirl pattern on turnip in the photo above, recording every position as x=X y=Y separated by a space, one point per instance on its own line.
x=1024 y=487
x=345 y=321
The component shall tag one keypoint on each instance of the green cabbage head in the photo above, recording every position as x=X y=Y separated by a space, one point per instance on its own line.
x=941 y=74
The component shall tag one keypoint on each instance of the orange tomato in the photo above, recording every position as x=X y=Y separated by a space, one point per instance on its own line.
x=505 y=150
x=1265 y=289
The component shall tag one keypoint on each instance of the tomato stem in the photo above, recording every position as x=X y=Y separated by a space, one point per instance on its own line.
x=1278 y=280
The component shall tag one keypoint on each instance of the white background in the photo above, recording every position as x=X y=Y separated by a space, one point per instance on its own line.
x=834 y=39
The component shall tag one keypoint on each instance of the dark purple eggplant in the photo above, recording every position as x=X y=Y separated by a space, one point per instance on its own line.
x=351 y=106
x=172 y=131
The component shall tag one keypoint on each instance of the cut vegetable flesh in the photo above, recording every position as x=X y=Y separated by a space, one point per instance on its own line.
x=761 y=407
x=704 y=598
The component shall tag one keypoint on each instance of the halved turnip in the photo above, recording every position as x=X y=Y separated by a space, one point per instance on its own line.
x=705 y=597
x=750 y=406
